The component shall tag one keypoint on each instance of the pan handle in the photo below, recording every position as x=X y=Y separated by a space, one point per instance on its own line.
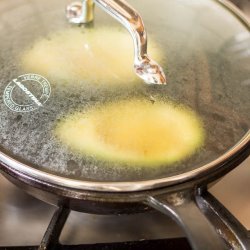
x=182 y=207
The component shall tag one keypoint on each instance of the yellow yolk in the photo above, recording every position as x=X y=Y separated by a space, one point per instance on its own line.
x=93 y=56
x=136 y=132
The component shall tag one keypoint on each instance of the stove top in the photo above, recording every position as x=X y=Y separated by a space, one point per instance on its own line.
x=24 y=219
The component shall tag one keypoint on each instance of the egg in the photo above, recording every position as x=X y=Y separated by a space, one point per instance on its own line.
x=100 y=56
x=137 y=132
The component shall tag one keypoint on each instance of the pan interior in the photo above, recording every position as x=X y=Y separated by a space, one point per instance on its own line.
x=203 y=48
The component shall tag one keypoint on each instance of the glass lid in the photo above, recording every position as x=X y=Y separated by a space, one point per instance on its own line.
x=71 y=104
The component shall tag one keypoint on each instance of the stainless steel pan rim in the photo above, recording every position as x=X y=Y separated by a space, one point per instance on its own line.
x=14 y=166
x=125 y=186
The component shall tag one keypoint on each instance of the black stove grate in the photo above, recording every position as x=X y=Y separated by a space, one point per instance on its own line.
x=234 y=233
x=169 y=244
x=50 y=240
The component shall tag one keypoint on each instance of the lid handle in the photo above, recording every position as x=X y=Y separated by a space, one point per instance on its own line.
x=146 y=68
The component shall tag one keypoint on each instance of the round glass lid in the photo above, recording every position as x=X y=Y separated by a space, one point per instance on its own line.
x=72 y=105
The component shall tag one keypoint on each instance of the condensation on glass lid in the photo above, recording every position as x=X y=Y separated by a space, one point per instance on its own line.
x=137 y=132
x=102 y=55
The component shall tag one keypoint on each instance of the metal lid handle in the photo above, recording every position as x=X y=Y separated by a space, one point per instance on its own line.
x=146 y=68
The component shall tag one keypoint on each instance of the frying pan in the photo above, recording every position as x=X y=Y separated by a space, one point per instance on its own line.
x=201 y=76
